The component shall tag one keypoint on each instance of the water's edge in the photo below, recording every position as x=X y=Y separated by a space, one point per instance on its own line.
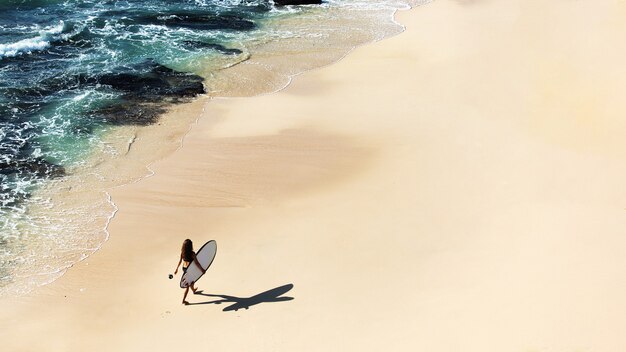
x=138 y=138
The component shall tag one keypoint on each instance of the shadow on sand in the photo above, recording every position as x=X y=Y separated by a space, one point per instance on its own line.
x=273 y=295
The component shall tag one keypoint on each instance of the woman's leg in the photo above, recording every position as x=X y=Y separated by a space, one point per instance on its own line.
x=193 y=288
x=185 y=296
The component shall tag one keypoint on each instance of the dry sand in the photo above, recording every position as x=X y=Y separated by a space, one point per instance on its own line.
x=458 y=187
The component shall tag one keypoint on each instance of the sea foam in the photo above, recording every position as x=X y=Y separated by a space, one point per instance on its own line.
x=43 y=41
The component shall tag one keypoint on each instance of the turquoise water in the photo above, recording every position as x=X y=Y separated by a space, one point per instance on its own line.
x=74 y=71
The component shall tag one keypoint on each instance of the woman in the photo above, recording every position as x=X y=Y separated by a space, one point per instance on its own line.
x=187 y=255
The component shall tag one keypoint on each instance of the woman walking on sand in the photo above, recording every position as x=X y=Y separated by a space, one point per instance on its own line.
x=187 y=255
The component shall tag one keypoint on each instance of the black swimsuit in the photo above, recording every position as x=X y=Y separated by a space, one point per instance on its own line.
x=189 y=263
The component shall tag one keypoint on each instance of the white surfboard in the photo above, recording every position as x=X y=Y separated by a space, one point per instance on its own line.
x=205 y=256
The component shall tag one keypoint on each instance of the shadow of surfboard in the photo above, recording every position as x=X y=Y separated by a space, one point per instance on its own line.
x=273 y=295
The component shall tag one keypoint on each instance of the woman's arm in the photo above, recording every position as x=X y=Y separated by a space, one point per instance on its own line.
x=177 y=266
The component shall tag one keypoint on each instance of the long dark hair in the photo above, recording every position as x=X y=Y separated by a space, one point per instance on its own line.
x=187 y=251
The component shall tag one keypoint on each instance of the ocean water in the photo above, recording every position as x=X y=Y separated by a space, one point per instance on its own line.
x=80 y=78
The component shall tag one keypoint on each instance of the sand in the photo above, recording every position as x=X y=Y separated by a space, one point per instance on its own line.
x=458 y=187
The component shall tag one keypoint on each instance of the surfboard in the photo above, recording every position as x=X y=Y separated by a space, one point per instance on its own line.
x=205 y=256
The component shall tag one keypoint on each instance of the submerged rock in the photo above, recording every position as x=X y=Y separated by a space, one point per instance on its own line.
x=217 y=47
x=24 y=169
x=196 y=21
x=151 y=81
x=146 y=87
x=36 y=166
x=130 y=113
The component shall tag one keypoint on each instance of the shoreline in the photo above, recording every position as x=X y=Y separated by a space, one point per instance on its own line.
x=410 y=197
x=110 y=167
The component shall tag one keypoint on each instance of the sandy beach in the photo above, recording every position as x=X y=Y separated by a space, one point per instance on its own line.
x=457 y=187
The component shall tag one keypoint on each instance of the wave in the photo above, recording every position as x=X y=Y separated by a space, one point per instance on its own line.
x=44 y=40
x=26 y=4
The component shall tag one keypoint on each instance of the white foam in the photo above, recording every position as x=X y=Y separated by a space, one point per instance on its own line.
x=41 y=42
x=23 y=46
